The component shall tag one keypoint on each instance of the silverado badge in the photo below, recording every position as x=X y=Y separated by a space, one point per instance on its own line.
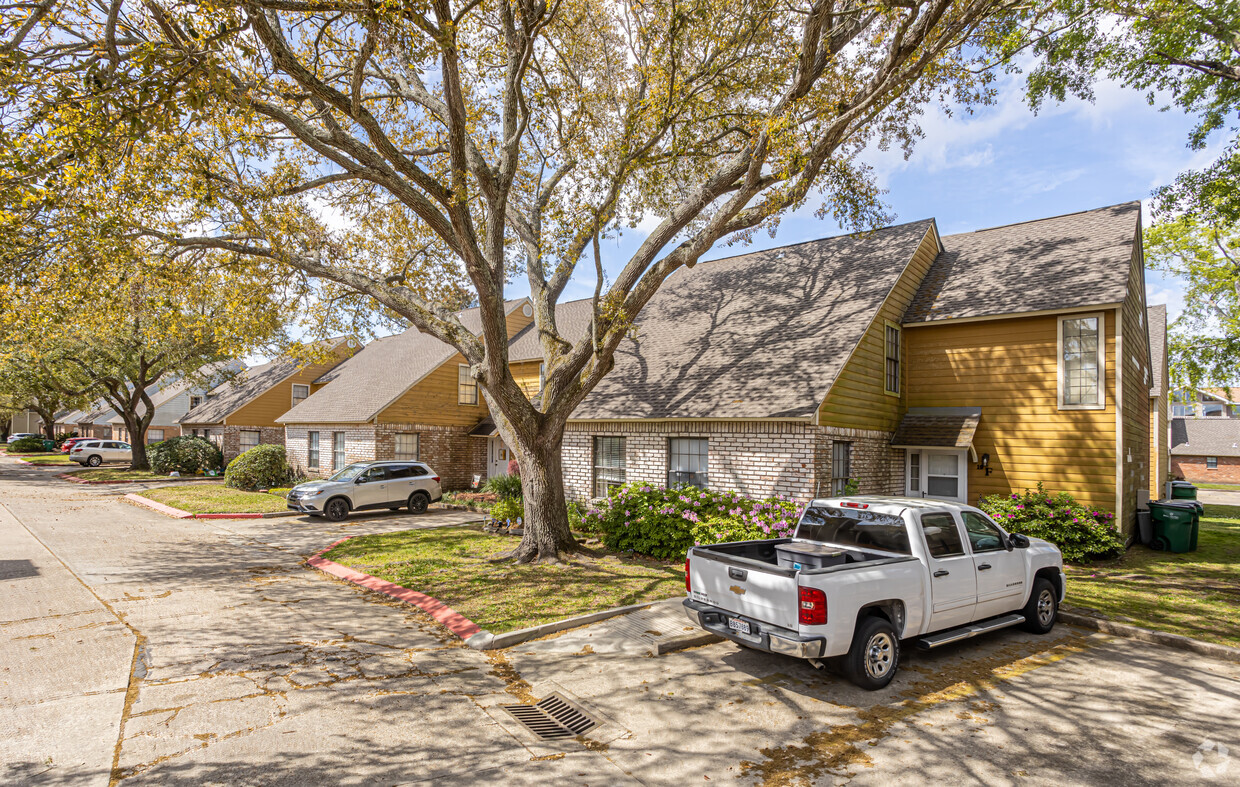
x=738 y=590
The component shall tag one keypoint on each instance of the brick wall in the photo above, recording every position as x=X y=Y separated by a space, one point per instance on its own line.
x=231 y=438
x=754 y=458
x=359 y=445
x=451 y=453
x=1193 y=468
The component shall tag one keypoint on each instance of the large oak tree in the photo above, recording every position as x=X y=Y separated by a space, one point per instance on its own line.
x=489 y=140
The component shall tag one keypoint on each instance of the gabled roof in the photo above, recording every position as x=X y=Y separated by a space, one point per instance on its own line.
x=364 y=385
x=572 y=320
x=230 y=396
x=761 y=335
x=1156 y=323
x=161 y=393
x=1205 y=436
x=1227 y=396
x=1065 y=262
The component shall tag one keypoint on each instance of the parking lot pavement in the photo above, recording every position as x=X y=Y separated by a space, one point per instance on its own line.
x=1218 y=497
x=136 y=648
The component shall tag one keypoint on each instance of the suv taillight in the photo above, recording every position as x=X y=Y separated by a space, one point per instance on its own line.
x=813 y=611
x=688 y=582
x=435 y=478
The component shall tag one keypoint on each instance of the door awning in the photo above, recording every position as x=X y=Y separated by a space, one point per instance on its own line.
x=937 y=427
x=484 y=428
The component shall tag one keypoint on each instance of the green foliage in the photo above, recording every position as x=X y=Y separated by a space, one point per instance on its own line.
x=185 y=455
x=1081 y=533
x=26 y=445
x=505 y=487
x=664 y=523
x=261 y=467
x=851 y=487
x=63 y=436
x=508 y=509
x=1205 y=341
x=575 y=515
x=280 y=491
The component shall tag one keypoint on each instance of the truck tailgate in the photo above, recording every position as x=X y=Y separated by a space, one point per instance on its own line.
x=750 y=589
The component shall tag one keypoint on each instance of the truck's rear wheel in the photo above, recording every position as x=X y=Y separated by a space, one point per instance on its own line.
x=1043 y=607
x=874 y=657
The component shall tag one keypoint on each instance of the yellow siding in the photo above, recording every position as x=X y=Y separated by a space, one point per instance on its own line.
x=1137 y=378
x=526 y=375
x=1009 y=368
x=264 y=409
x=857 y=399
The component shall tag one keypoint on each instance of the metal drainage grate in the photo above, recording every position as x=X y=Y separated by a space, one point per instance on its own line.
x=552 y=718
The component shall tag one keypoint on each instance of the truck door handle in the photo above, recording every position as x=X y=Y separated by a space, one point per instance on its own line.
x=984 y=567
x=738 y=574
x=941 y=573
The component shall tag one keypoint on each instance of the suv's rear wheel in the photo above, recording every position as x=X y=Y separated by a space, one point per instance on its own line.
x=872 y=660
x=95 y=460
x=336 y=509
x=418 y=501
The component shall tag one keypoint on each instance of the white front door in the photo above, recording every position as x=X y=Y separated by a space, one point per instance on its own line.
x=497 y=457
x=942 y=475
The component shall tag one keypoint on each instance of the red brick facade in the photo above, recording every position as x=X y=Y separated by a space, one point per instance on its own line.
x=452 y=454
x=231 y=445
x=1193 y=468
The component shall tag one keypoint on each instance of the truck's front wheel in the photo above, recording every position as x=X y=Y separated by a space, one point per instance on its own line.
x=1043 y=607
x=872 y=660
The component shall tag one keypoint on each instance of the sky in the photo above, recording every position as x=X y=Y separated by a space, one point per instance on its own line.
x=1004 y=164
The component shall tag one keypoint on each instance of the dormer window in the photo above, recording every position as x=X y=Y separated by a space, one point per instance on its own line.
x=194 y=401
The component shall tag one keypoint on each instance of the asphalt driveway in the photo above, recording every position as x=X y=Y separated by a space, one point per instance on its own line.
x=136 y=648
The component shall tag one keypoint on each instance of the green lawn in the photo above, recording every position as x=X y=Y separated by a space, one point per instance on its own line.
x=1219 y=487
x=216 y=499
x=50 y=460
x=1196 y=594
x=118 y=474
x=451 y=565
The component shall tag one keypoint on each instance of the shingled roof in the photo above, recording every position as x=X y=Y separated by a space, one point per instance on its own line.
x=1205 y=436
x=572 y=320
x=231 y=395
x=1077 y=260
x=364 y=385
x=761 y=335
x=1156 y=324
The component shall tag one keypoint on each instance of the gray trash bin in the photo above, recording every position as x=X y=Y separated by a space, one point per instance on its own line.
x=1145 y=527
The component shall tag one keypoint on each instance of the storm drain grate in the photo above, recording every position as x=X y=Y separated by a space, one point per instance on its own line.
x=552 y=718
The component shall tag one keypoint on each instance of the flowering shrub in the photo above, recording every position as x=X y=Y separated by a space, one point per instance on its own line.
x=1080 y=533
x=664 y=523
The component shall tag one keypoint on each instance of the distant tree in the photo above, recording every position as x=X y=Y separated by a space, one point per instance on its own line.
x=1205 y=340
x=25 y=384
x=1188 y=52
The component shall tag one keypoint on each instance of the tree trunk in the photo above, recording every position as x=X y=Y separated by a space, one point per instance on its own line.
x=546 y=537
x=137 y=440
x=138 y=460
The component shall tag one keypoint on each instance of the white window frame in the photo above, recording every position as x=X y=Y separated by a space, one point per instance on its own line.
x=542 y=375
x=149 y=439
x=462 y=372
x=195 y=401
x=1208 y=458
x=241 y=445
x=312 y=449
x=297 y=399
x=1101 y=403
x=962 y=490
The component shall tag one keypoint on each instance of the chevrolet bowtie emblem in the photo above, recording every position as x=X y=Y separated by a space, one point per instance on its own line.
x=738 y=590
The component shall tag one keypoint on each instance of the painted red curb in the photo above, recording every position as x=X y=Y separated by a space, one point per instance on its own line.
x=457 y=623
x=158 y=507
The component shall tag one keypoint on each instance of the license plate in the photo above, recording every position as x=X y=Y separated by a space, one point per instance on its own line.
x=736 y=624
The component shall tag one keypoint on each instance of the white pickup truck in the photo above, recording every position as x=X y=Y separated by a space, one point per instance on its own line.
x=863 y=573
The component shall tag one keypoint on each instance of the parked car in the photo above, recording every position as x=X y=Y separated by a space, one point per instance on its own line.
x=13 y=438
x=68 y=444
x=368 y=485
x=861 y=574
x=95 y=452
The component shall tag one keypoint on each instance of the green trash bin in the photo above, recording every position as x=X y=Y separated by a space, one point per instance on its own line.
x=49 y=445
x=1173 y=525
x=1183 y=490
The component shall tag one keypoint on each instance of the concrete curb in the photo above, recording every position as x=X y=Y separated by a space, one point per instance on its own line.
x=1108 y=626
x=455 y=622
x=485 y=640
x=177 y=513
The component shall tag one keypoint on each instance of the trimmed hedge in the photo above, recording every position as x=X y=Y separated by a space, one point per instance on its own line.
x=26 y=445
x=261 y=467
x=185 y=455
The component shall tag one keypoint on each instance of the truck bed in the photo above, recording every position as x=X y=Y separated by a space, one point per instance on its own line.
x=762 y=555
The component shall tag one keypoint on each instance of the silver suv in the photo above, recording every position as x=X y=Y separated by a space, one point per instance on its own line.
x=368 y=485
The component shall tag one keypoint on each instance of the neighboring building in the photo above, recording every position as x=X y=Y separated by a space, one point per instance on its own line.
x=172 y=400
x=1205 y=403
x=241 y=413
x=26 y=422
x=408 y=396
x=1160 y=425
x=1206 y=449
x=94 y=421
x=951 y=367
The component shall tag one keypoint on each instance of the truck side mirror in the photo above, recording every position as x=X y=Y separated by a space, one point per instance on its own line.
x=1019 y=541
